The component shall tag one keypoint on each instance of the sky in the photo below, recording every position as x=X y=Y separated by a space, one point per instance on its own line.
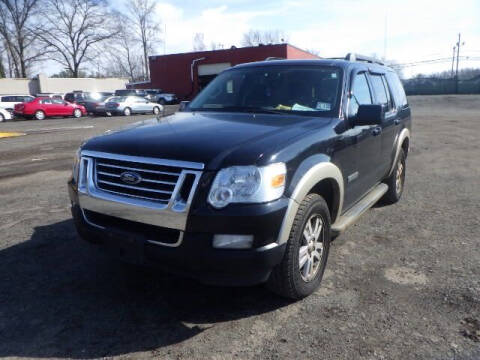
x=414 y=30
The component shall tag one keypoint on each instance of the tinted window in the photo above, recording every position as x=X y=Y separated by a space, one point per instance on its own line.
x=8 y=98
x=360 y=94
x=69 y=97
x=379 y=89
x=280 y=88
x=124 y=92
x=397 y=89
x=46 y=101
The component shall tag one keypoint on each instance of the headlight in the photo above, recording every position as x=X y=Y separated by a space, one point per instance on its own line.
x=76 y=166
x=247 y=184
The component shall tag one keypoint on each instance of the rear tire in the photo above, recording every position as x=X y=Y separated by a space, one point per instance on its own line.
x=39 y=115
x=162 y=101
x=301 y=270
x=127 y=111
x=156 y=110
x=396 y=180
x=2 y=118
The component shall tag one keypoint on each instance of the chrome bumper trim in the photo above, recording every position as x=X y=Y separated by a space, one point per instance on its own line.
x=172 y=214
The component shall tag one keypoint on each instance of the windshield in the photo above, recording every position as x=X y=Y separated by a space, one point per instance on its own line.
x=300 y=89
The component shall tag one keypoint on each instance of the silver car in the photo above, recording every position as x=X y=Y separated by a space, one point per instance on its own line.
x=128 y=105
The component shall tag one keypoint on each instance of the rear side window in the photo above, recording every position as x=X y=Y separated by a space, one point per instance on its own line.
x=379 y=89
x=360 y=94
x=397 y=89
x=8 y=98
x=46 y=101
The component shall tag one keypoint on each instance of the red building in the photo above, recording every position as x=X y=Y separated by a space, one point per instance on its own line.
x=185 y=74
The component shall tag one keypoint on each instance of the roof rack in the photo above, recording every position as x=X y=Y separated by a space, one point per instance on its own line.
x=357 y=57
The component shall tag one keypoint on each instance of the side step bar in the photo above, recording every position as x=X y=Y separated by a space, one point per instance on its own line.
x=352 y=215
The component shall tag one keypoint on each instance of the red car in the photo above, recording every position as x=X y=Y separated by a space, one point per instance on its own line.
x=42 y=107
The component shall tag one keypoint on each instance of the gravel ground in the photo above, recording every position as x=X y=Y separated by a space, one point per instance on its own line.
x=404 y=283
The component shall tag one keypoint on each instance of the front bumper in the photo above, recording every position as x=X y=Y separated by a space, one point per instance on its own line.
x=195 y=256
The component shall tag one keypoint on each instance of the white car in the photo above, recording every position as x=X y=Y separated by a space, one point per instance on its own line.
x=5 y=115
x=8 y=102
x=128 y=105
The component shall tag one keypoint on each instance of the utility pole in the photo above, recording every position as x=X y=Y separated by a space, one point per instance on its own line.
x=453 y=59
x=459 y=43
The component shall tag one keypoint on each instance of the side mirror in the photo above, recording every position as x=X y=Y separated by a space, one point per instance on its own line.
x=183 y=105
x=369 y=115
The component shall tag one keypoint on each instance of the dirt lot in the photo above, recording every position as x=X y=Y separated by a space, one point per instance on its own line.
x=402 y=284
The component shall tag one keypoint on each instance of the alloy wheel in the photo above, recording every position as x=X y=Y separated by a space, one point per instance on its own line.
x=311 y=250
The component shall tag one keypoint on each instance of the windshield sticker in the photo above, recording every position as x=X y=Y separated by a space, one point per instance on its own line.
x=322 y=106
x=298 y=107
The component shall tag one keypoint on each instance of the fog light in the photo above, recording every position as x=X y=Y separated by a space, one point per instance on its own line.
x=225 y=241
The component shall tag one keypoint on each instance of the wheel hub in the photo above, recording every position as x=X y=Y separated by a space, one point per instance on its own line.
x=311 y=250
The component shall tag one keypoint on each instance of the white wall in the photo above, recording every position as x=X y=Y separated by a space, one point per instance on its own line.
x=45 y=84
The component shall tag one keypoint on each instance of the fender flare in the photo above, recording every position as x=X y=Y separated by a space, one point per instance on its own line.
x=317 y=173
x=404 y=134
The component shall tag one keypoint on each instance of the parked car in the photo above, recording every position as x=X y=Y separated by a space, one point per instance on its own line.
x=94 y=102
x=5 y=115
x=98 y=108
x=128 y=105
x=131 y=92
x=161 y=97
x=43 y=107
x=253 y=179
x=8 y=102
x=81 y=97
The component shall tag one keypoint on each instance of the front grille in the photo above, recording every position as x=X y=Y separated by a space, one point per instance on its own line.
x=157 y=181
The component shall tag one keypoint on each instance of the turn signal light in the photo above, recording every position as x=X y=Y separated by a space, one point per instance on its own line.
x=278 y=180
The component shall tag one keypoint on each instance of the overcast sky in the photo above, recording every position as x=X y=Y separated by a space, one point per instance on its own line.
x=416 y=29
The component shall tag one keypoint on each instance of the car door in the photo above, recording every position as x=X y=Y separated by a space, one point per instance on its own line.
x=383 y=96
x=60 y=107
x=365 y=142
x=47 y=107
x=395 y=118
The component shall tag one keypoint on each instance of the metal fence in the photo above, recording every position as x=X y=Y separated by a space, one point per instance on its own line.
x=438 y=86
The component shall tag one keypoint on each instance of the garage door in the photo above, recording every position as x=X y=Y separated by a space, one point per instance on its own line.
x=212 y=69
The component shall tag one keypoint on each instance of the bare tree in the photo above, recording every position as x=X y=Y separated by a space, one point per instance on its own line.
x=16 y=17
x=70 y=30
x=122 y=56
x=147 y=27
x=257 y=37
x=198 y=42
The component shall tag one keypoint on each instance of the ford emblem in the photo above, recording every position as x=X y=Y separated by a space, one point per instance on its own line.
x=130 y=177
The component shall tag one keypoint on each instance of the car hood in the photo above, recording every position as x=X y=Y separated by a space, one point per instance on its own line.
x=214 y=139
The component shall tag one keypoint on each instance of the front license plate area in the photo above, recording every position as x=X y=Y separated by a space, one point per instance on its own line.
x=128 y=249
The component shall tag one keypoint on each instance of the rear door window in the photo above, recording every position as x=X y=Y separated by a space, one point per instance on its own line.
x=382 y=91
x=361 y=94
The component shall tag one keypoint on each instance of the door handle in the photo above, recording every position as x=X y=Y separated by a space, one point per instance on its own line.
x=396 y=121
x=376 y=131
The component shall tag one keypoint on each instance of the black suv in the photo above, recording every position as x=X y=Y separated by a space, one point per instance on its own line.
x=253 y=179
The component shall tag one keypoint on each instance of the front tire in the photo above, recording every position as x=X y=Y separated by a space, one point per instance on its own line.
x=156 y=110
x=301 y=270
x=162 y=102
x=396 y=180
x=77 y=113
x=127 y=111
x=39 y=115
x=2 y=118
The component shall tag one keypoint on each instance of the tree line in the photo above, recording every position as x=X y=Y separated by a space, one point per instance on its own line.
x=76 y=33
